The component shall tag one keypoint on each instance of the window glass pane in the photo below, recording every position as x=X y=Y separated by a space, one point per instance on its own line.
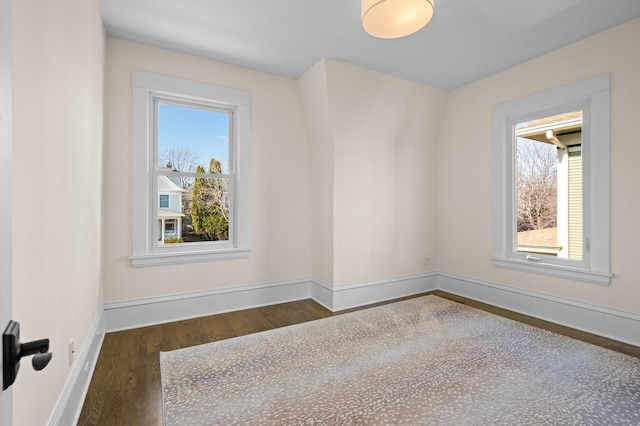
x=199 y=213
x=192 y=140
x=190 y=137
x=549 y=186
x=209 y=210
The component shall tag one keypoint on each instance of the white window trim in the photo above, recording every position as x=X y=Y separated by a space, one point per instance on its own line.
x=592 y=96
x=145 y=87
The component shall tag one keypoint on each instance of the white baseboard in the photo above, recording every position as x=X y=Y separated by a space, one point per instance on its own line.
x=606 y=322
x=354 y=295
x=157 y=310
x=177 y=307
x=69 y=405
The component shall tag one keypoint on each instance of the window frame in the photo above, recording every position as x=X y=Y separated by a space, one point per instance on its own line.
x=592 y=97
x=160 y=199
x=147 y=90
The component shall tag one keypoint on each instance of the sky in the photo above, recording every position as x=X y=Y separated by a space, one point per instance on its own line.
x=205 y=132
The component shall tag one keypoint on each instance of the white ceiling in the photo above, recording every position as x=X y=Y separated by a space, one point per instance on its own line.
x=465 y=41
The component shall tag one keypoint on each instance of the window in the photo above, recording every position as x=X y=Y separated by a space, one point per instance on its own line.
x=190 y=159
x=548 y=172
x=551 y=182
x=164 y=201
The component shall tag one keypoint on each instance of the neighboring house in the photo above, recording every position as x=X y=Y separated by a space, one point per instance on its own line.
x=169 y=209
x=564 y=131
x=539 y=241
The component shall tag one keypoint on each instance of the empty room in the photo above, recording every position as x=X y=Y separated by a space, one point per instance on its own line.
x=335 y=212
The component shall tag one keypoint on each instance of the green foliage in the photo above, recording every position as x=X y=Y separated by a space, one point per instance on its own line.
x=216 y=224
x=214 y=166
x=173 y=240
x=209 y=214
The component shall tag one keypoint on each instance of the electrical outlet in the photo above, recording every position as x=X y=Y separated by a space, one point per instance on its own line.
x=426 y=261
x=72 y=351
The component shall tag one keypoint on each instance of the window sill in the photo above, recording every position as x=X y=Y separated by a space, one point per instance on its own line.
x=596 y=277
x=143 y=260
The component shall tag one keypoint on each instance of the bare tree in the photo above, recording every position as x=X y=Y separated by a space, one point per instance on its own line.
x=181 y=159
x=536 y=185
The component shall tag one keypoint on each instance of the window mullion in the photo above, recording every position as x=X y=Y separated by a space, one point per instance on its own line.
x=195 y=174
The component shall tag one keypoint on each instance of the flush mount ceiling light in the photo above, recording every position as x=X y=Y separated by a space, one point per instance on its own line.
x=395 y=18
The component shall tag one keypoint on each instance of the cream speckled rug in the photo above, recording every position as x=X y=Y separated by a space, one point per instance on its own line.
x=420 y=361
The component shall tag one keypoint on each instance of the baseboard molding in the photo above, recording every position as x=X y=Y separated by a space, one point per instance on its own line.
x=157 y=310
x=339 y=298
x=606 y=322
x=69 y=405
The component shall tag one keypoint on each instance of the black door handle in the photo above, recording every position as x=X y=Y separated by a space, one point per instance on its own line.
x=13 y=350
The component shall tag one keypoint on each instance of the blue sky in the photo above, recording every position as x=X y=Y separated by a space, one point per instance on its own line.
x=204 y=132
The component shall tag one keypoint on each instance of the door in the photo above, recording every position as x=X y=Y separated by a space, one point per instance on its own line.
x=6 y=297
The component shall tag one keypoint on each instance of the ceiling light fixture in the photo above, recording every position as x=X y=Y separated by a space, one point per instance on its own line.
x=395 y=18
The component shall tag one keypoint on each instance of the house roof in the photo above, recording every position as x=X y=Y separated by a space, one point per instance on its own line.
x=561 y=124
x=168 y=214
x=166 y=184
x=539 y=240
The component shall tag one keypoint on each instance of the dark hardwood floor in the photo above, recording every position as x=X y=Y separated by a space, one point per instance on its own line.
x=126 y=389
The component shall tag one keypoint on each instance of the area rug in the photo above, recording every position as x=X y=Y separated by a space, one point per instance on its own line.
x=421 y=361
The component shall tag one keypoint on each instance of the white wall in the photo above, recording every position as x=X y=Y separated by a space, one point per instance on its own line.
x=280 y=179
x=58 y=75
x=374 y=140
x=343 y=175
x=465 y=167
x=385 y=132
x=312 y=86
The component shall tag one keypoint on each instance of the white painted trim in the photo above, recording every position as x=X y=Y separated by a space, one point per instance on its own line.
x=611 y=323
x=69 y=405
x=591 y=96
x=566 y=272
x=162 y=309
x=145 y=88
x=157 y=310
x=602 y=321
x=322 y=293
x=6 y=175
x=366 y=293
x=175 y=258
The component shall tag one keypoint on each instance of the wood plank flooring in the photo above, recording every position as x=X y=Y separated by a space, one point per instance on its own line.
x=126 y=388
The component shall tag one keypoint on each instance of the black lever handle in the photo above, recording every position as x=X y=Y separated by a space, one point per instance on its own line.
x=40 y=361
x=13 y=350
x=37 y=346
